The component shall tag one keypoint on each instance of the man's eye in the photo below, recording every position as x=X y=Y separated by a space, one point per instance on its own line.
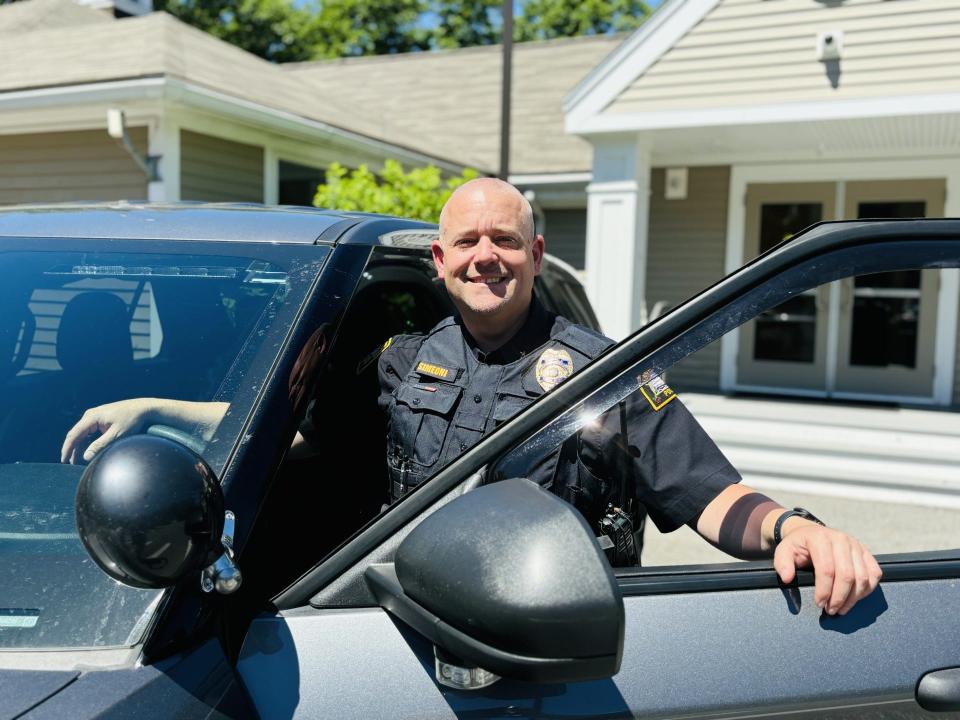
x=507 y=241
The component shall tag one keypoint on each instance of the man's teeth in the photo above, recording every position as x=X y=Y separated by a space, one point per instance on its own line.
x=488 y=281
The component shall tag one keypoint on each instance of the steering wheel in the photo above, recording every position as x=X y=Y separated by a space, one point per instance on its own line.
x=177 y=435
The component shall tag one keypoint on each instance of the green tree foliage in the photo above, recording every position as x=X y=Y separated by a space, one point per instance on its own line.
x=465 y=23
x=285 y=30
x=547 y=19
x=272 y=29
x=369 y=27
x=418 y=194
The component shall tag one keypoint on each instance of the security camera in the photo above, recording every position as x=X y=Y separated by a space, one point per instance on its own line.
x=829 y=45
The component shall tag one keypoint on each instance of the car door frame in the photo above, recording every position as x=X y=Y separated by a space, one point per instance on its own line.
x=337 y=582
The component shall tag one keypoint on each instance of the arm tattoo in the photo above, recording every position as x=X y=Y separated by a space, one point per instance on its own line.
x=740 y=530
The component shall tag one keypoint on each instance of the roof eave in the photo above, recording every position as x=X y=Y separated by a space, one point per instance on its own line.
x=176 y=90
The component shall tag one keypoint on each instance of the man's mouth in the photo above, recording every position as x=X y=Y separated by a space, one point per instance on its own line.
x=487 y=279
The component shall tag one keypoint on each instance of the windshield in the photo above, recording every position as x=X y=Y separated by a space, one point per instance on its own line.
x=83 y=324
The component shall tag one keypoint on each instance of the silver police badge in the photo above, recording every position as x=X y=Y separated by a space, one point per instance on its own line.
x=553 y=367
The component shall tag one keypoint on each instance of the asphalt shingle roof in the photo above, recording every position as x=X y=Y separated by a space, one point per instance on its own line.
x=445 y=104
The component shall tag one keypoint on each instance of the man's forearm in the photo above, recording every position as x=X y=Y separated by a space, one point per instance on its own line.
x=201 y=417
x=740 y=521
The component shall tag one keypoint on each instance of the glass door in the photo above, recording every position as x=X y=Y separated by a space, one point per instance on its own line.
x=786 y=346
x=888 y=320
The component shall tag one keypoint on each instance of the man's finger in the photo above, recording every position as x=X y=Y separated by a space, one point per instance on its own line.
x=784 y=564
x=824 y=569
x=861 y=583
x=843 y=576
x=84 y=427
x=873 y=568
x=100 y=443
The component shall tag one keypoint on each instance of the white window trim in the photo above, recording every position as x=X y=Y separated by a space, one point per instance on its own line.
x=948 y=298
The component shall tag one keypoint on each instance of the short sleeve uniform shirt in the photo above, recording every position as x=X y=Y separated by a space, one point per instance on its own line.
x=442 y=394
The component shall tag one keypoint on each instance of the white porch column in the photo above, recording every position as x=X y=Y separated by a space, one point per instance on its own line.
x=618 y=209
x=164 y=142
x=271 y=176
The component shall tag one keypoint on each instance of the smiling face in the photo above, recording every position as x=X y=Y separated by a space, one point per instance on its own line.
x=487 y=255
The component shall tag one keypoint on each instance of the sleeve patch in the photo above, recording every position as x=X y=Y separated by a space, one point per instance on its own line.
x=369 y=359
x=656 y=391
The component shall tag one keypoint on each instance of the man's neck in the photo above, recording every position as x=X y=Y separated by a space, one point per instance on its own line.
x=491 y=334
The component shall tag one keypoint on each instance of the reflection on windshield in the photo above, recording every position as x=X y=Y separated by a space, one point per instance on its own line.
x=81 y=329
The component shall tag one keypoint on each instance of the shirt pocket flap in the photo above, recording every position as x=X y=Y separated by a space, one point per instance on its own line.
x=509 y=405
x=438 y=399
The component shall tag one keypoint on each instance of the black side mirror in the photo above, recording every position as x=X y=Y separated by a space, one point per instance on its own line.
x=509 y=579
x=150 y=512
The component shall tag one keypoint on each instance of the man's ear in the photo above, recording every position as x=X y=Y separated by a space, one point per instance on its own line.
x=537 y=249
x=437 y=251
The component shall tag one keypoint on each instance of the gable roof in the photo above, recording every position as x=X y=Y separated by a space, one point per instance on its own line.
x=445 y=105
x=670 y=22
x=709 y=63
x=24 y=17
x=451 y=100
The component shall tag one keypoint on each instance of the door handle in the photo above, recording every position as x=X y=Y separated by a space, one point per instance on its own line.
x=939 y=691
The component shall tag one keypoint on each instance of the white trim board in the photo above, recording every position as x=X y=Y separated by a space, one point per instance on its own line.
x=551 y=178
x=632 y=58
x=849 y=109
x=948 y=299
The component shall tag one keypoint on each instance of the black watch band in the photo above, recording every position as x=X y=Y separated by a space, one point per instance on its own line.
x=798 y=512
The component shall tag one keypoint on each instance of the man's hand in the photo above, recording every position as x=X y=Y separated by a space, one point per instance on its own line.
x=129 y=417
x=111 y=421
x=740 y=521
x=845 y=570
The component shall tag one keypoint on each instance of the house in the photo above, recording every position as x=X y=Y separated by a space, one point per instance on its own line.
x=679 y=152
x=722 y=126
x=225 y=125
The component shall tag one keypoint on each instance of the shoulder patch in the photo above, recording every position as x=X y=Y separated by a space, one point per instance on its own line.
x=368 y=360
x=655 y=390
x=433 y=370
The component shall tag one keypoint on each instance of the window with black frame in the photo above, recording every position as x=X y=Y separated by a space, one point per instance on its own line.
x=871 y=450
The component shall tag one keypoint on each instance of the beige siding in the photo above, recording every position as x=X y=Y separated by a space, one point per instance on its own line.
x=68 y=167
x=219 y=170
x=748 y=52
x=685 y=254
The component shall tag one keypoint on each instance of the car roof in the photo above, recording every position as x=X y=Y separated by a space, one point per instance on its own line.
x=248 y=222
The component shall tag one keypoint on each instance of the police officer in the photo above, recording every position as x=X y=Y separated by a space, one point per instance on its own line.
x=445 y=390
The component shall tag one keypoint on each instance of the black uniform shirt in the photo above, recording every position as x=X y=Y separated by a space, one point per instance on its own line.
x=442 y=394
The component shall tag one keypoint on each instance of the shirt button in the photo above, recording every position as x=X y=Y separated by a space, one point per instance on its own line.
x=463 y=446
x=416 y=401
x=477 y=398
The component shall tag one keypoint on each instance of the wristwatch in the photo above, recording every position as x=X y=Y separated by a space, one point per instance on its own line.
x=798 y=512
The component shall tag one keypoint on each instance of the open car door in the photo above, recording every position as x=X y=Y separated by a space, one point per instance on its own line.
x=460 y=604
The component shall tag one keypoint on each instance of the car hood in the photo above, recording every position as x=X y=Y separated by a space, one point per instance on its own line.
x=21 y=690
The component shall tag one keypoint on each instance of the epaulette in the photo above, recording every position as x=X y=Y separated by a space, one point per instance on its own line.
x=372 y=356
x=584 y=340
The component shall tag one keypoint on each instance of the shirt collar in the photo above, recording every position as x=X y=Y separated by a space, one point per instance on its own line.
x=534 y=332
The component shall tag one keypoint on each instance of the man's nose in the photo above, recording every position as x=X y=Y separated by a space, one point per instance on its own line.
x=486 y=251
